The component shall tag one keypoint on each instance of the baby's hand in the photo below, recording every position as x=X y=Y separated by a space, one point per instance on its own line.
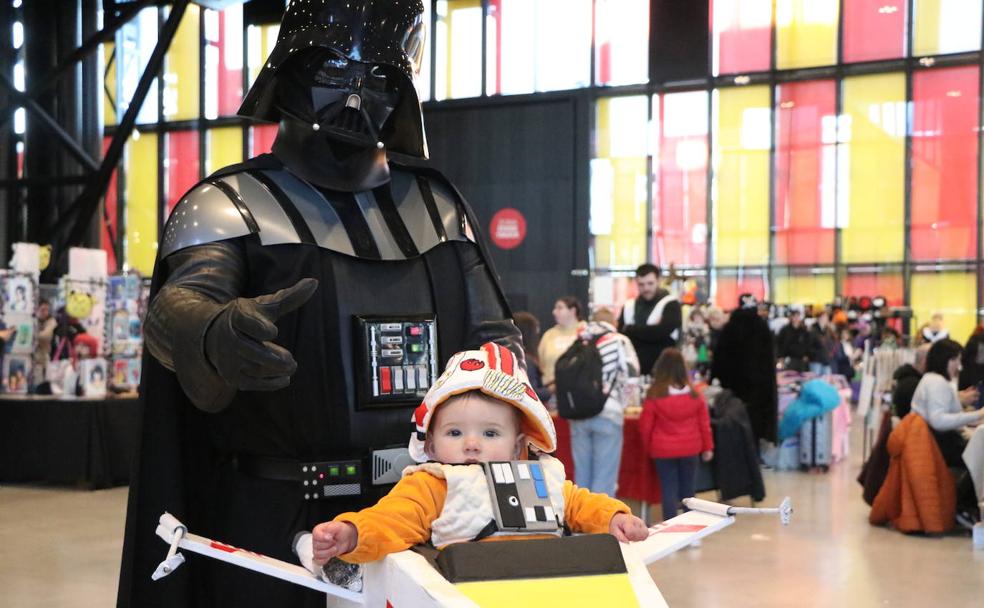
x=333 y=538
x=626 y=528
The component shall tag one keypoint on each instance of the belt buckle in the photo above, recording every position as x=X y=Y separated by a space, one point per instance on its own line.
x=330 y=479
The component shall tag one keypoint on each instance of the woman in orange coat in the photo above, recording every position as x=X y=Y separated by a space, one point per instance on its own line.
x=675 y=429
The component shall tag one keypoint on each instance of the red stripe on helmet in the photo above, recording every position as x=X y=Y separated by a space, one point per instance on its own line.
x=489 y=349
x=419 y=414
x=507 y=359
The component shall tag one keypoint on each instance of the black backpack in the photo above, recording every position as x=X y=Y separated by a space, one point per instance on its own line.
x=578 y=380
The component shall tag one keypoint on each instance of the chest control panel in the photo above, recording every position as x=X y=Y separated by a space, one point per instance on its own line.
x=397 y=361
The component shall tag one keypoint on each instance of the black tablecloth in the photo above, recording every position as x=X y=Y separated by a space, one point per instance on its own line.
x=86 y=442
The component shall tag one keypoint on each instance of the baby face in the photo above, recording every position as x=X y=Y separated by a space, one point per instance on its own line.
x=473 y=428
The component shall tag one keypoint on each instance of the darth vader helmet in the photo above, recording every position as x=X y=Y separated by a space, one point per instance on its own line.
x=346 y=67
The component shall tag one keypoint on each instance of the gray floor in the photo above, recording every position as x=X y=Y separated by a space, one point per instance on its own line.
x=60 y=548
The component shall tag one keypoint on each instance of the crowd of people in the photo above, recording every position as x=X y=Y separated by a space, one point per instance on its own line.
x=675 y=350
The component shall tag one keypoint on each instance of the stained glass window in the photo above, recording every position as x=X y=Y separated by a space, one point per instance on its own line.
x=806 y=135
x=680 y=178
x=740 y=190
x=945 y=118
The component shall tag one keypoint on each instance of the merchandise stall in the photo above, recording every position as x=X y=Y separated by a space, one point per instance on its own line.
x=71 y=415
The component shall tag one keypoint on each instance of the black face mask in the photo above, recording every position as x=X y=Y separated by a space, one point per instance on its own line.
x=346 y=101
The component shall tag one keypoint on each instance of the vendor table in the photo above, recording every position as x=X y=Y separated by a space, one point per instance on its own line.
x=637 y=478
x=82 y=441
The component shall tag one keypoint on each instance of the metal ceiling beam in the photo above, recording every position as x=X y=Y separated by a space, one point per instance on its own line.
x=52 y=125
x=104 y=35
x=71 y=227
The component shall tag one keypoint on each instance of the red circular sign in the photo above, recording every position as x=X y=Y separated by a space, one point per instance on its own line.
x=508 y=228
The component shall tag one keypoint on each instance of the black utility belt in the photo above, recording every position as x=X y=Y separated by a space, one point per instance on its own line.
x=329 y=478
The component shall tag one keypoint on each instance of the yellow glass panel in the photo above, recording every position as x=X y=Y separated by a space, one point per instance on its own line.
x=618 y=211
x=742 y=139
x=225 y=147
x=109 y=81
x=141 y=203
x=954 y=294
x=806 y=33
x=260 y=41
x=618 y=182
x=871 y=169
x=462 y=50
x=946 y=26
x=808 y=289
x=181 y=77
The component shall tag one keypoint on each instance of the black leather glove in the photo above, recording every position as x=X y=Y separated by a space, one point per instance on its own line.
x=239 y=344
x=201 y=293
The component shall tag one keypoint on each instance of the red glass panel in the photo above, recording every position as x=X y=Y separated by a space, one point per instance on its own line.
x=262 y=140
x=494 y=87
x=873 y=29
x=680 y=182
x=944 y=163
x=742 y=35
x=728 y=288
x=230 y=93
x=887 y=285
x=805 y=159
x=110 y=226
x=182 y=165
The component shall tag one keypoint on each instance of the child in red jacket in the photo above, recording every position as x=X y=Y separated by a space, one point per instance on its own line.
x=675 y=429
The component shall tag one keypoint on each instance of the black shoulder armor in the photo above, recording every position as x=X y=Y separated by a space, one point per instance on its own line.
x=411 y=214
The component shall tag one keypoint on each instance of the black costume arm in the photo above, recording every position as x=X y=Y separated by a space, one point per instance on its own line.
x=670 y=321
x=488 y=315
x=201 y=281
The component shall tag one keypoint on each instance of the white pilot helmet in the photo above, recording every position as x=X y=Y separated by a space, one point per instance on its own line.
x=494 y=371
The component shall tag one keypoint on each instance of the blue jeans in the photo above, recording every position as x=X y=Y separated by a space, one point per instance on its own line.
x=597 y=447
x=677 y=477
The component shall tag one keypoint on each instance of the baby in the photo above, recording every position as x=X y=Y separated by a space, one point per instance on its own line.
x=481 y=409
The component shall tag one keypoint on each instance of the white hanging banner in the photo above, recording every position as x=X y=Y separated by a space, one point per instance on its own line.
x=87 y=264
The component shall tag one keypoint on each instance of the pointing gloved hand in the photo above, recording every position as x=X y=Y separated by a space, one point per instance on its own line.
x=239 y=344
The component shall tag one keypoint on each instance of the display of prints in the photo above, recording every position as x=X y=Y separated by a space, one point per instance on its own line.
x=125 y=337
x=18 y=301
x=125 y=307
x=87 y=296
x=16 y=373
x=135 y=372
x=125 y=373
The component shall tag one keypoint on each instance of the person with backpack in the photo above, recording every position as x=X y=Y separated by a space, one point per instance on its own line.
x=589 y=378
x=676 y=428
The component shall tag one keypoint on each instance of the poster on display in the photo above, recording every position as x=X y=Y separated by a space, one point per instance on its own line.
x=125 y=332
x=126 y=374
x=92 y=377
x=22 y=341
x=19 y=294
x=16 y=373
